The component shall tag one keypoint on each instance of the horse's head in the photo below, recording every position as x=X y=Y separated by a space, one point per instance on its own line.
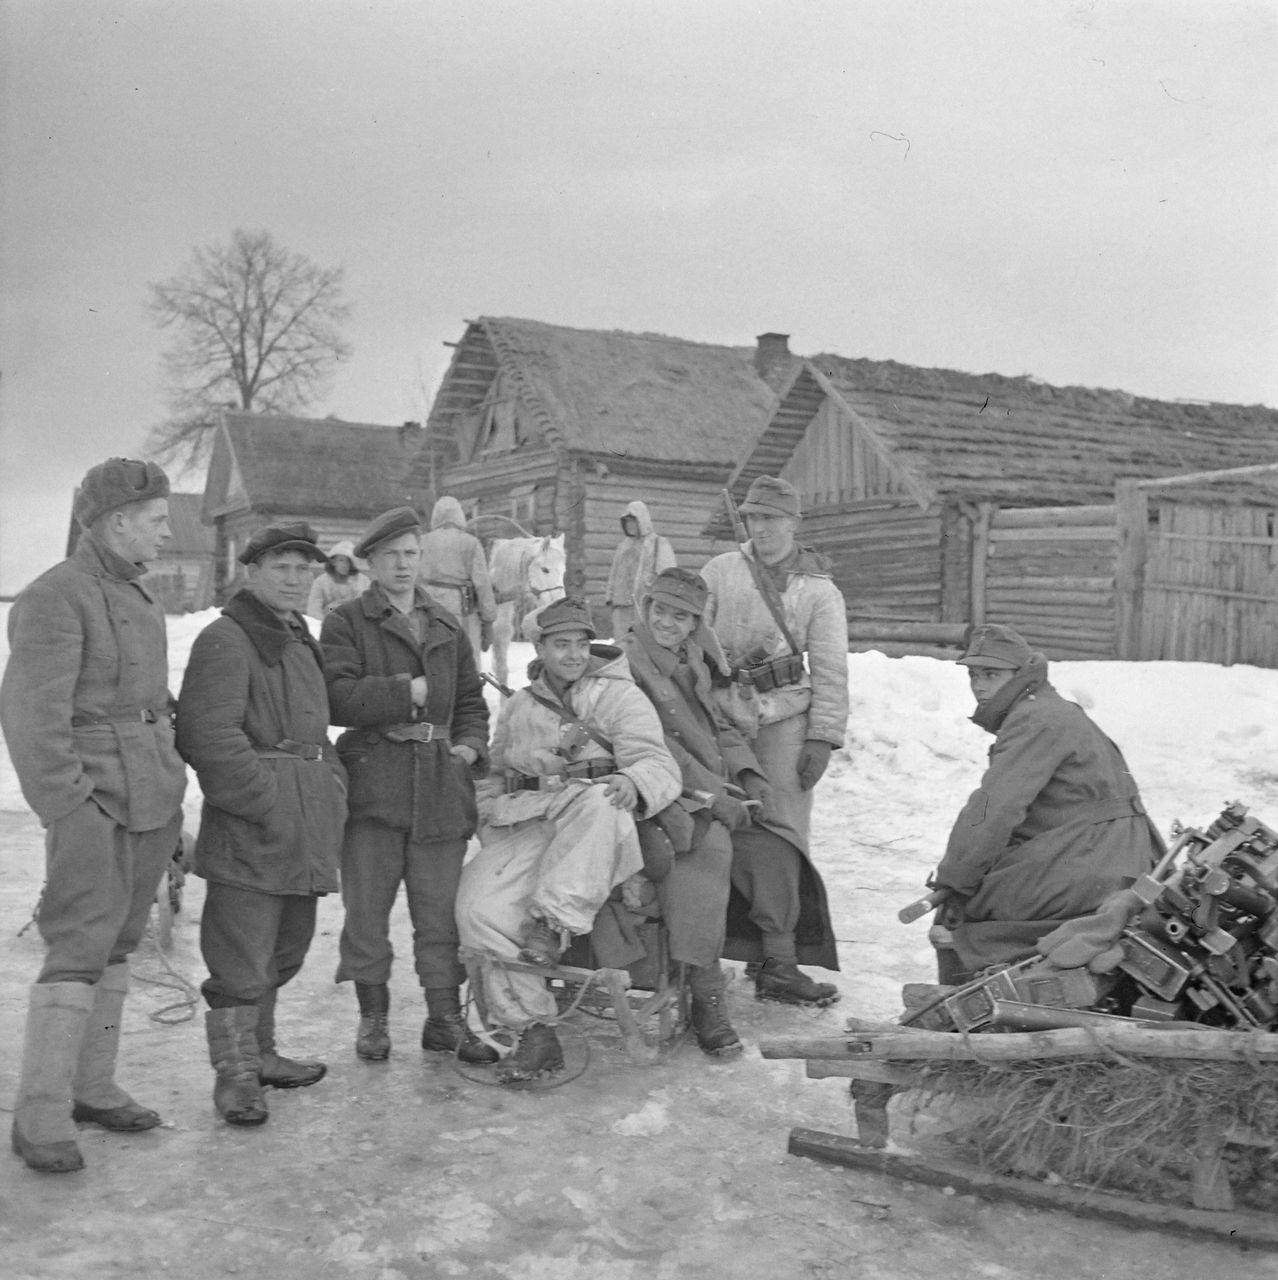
x=545 y=580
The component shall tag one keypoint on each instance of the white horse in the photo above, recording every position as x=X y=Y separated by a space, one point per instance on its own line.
x=526 y=574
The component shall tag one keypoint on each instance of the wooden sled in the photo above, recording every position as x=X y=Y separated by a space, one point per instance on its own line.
x=882 y=1058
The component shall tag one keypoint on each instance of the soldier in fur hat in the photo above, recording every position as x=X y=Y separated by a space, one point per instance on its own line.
x=87 y=717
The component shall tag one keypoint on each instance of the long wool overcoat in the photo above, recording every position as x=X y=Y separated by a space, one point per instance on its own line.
x=371 y=655
x=270 y=823
x=1056 y=825
x=86 y=640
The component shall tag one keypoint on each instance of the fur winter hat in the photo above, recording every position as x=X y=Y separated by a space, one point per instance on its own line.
x=116 y=483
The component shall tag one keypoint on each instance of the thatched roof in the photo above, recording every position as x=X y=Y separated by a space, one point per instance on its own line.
x=314 y=466
x=1014 y=441
x=604 y=393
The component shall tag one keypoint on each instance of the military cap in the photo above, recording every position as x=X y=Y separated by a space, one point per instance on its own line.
x=116 y=483
x=771 y=496
x=390 y=524
x=569 y=613
x=993 y=645
x=297 y=535
x=680 y=589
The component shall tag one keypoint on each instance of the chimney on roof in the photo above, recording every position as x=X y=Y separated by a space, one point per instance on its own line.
x=772 y=358
x=409 y=434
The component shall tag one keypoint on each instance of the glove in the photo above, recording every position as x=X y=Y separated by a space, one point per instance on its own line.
x=731 y=812
x=813 y=760
x=757 y=787
x=485 y=636
x=1092 y=940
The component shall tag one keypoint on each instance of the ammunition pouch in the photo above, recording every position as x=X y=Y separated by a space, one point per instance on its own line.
x=579 y=770
x=662 y=838
x=775 y=673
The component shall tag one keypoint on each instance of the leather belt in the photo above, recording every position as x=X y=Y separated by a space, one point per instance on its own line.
x=298 y=750
x=581 y=771
x=144 y=716
x=416 y=732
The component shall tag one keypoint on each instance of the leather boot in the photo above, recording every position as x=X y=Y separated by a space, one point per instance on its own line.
x=372 y=1040
x=274 y=1070
x=98 y=1099
x=538 y=1053
x=233 y=1051
x=43 y=1133
x=784 y=981
x=446 y=1030
x=715 y=1034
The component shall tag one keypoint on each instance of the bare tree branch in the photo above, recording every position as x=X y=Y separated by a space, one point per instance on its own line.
x=255 y=327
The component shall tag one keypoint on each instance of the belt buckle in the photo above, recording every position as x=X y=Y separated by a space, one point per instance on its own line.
x=147 y=716
x=430 y=732
x=311 y=751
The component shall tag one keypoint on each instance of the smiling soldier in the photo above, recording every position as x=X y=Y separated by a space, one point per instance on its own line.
x=253 y=723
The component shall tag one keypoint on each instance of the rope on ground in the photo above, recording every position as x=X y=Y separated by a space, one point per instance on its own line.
x=182 y=1010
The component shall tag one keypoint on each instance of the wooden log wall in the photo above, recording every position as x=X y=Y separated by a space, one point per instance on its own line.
x=1049 y=572
x=886 y=554
x=679 y=507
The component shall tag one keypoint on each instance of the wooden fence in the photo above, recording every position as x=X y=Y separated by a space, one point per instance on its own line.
x=1197 y=581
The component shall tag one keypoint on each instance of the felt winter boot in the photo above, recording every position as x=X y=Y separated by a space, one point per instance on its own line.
x=715 y=1034
x=98 y=1099
x=537 y=1054
x=43 y=1132
x=372 y=1039
x=274 y=1070
x=446 y=1030
x=233 y=1051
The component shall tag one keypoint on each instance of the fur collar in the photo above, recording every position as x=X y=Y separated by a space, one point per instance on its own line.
x=269 y=632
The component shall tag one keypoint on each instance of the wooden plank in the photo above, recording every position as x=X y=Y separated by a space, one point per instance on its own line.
x=1238 y=1227
x=980 y=559
x=1216 y=592
x=1073 y=1042
x=886 y=629
x=1129 y=571
x=1058 y=533
x=1049 y=517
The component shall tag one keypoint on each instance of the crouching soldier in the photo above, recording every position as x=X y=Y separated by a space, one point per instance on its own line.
x=576 y=756
x=672 y=658
x=86 y=714
x=253 y=723
x=1055 y=827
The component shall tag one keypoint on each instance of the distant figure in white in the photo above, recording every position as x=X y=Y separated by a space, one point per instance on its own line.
x=526 y=573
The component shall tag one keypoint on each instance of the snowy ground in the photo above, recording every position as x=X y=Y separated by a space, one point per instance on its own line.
x=410 y=1171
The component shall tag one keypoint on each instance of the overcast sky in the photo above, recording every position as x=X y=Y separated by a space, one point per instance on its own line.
x=1086 y=192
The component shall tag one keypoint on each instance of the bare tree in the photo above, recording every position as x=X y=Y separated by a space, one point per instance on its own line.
x=256 y=327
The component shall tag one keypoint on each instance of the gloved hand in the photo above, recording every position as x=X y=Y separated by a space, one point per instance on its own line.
x=813 y=760
x=757 y=787
x=731 y=812
x=485 y=636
